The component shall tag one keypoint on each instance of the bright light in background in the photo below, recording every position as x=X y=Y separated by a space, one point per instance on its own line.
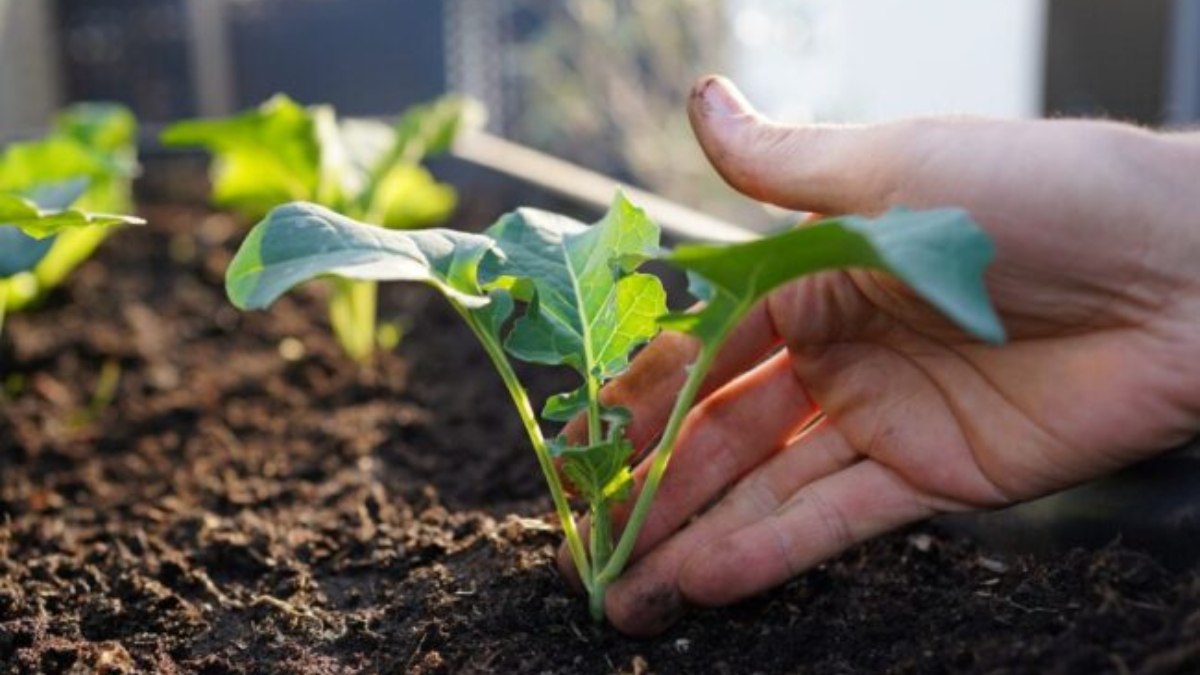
x=873 y=60
x=28 y=91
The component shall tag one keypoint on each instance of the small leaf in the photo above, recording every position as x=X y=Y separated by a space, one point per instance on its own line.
x=599 y=472
x=48 y=223
x=565 y=406
x=105 y=127
x=586 y=309
x=407 y=197
x=20 y=252
x=91 y=142
x=431 y=128
x=14 y=208
x=27 y=223
x=398 y=193
x=941 y=254
x=301 y=241
x=58 y=195
x=25 y=166
x=367 y=142
x=262 y=157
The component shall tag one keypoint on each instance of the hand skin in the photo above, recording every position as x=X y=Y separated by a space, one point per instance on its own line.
x=1097 y=280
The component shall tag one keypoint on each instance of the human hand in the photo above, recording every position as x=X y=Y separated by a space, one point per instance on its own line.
x=877 y=412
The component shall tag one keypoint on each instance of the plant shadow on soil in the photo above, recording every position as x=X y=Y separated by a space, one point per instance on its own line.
x=236 y=511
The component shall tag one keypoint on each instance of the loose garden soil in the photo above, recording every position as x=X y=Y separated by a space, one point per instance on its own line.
x=249 y=502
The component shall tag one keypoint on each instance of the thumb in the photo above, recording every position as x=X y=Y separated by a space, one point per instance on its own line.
x=826 y=168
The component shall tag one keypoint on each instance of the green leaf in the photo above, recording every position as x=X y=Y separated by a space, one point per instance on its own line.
x=431 y=128
x=23 y=166
x=20 y=252
x=301 y=241
x=565 y=406
x=367 y=142
x=109 y=130
x=586 y=308
x=941 y=254
x=39 y=224
x=600 y=472
x=399 y=194
x=408 y=197
x=26 y=223
x=106 y=127
x=340 y=179
x=92 y=142
x=262 y=157
x=90 y=158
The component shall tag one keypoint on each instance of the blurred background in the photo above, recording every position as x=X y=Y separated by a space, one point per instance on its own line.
x=602 y=83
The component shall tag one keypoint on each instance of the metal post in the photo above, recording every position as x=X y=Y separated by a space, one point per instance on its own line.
x=211 y=57
x=1182 y=104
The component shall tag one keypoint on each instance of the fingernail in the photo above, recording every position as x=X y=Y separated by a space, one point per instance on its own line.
x=718 y=97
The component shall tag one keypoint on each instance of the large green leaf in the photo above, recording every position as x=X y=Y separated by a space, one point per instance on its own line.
x=941 y=254
x=301 y=241
x=586 y=307
x=262 y=157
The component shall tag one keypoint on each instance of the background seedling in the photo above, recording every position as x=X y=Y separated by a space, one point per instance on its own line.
x=30 y=223
x=283 y=151
x=93 y=146
x=587 y=307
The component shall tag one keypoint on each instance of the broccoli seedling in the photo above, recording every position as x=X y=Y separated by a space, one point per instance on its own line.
x=29 y=223
x=95 y=143
x=587 y=307
x=283 y=151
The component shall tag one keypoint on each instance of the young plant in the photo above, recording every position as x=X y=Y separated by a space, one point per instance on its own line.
x=587 y=307
x=283 y=151
x=95 y=143
x=29 y=223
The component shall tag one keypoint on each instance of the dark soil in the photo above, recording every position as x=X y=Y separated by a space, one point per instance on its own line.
x=235 y=511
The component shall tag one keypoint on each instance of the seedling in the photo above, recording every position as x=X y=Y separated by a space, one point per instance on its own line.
x=29 y=223
x=91 y=146
x=283 y=151
x=586 y=306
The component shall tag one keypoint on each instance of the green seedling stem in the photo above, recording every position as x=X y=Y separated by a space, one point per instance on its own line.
x=3 y=303
x=352 y=315
x=662 y=454
x=533 y=430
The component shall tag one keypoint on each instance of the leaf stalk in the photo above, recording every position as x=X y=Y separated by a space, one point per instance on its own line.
x=3 y=303
x=352 y=315
x=662 y=452
x=529 y=420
